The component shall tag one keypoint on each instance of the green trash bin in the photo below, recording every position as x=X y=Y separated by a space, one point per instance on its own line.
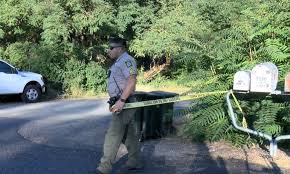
x=140 y=96
x=154 y=121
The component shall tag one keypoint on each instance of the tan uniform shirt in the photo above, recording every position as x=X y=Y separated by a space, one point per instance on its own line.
x=119 y=73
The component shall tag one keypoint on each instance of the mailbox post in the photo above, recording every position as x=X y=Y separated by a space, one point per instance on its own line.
x=263 y=79
x=273 y=140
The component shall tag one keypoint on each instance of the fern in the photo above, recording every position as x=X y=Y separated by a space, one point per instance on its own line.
x=217 y=130
x=272 y=129
x=211 y=122
x=240 y=139
x=243 y=35
x=277 y=51
x=285 y=114
x=210 y=115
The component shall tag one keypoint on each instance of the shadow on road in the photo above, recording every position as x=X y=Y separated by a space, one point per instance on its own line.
x=204 y=163
x=10 y=99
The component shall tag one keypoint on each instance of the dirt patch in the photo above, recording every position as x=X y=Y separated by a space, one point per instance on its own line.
x=254 y=155
x=251 y=157
x=219 y=157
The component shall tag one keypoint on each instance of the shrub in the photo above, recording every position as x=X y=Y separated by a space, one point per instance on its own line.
x=95 y=77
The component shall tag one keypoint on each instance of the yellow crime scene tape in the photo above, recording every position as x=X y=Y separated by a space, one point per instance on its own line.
x=244 y=122
x=190 y=96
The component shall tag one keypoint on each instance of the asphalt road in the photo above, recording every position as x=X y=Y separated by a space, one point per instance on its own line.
x=60 y=137
x=66 y=137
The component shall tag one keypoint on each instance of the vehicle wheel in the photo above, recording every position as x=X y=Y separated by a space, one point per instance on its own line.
x=31 y=94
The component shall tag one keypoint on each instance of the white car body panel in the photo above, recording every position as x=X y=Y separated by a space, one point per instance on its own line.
x=15 y=83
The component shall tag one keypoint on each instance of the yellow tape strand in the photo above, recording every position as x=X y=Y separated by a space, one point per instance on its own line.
x=244 y=121
x=190 y=96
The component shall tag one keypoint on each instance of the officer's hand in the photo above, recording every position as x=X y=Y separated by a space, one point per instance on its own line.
x=118 y=107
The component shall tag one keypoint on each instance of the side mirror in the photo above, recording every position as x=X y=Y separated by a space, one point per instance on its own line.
x=14 y=71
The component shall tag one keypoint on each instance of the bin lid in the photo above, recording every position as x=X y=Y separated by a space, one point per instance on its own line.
x=153 y=95
x=163 y=94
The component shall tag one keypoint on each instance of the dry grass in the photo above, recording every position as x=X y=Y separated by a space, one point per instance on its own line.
x=174 y=89
x=78 y=93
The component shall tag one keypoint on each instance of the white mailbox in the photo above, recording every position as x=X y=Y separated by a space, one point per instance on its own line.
x=264 y=78
x=242 y=81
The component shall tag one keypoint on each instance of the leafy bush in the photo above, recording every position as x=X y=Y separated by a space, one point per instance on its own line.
x=78 y=75
x=95 y=77
x=242 y=35
x=74 y=75
x=62 y=74
x=18 y=54
x=209 y=118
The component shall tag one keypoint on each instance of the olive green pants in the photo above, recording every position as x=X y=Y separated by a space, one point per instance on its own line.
x=113 y=139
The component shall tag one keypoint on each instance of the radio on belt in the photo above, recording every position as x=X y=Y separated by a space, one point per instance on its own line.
x=262 y=78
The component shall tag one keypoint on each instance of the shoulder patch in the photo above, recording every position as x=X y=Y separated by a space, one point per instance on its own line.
x=131 y=71
x=128 y=63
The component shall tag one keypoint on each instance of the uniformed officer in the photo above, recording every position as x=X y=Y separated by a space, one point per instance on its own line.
x=121 y=86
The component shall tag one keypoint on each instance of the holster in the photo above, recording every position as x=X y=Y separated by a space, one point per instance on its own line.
x=113 y=100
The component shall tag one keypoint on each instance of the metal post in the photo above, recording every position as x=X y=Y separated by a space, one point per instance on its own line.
x=273 y=143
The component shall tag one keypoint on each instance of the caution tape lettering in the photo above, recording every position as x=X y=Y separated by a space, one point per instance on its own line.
x=171 y=100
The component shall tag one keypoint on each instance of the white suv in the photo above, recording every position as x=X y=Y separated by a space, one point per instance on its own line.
x=13 y=81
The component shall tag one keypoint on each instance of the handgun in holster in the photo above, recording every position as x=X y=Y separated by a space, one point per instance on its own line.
x=113 y=100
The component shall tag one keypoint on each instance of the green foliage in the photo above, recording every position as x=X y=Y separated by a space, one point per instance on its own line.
x=48 y=60
x=55 y=26
x=79 y=75
x=207 y=41
x=74 y=75
x=54 y=38
x=95 y=77
x=239 y=139
x=18 y=53
x=210 y=120
x=265 y=117
x=242 y=35
x=176 y=26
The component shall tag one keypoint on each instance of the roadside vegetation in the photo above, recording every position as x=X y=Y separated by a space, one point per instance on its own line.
x=198 y=45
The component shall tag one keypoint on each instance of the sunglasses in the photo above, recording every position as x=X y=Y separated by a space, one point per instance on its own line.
x=111 y=48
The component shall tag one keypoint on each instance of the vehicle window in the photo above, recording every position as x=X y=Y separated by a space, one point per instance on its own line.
x=5 y=68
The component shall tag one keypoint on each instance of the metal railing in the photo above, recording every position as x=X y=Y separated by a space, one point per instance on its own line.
x=273 y=140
